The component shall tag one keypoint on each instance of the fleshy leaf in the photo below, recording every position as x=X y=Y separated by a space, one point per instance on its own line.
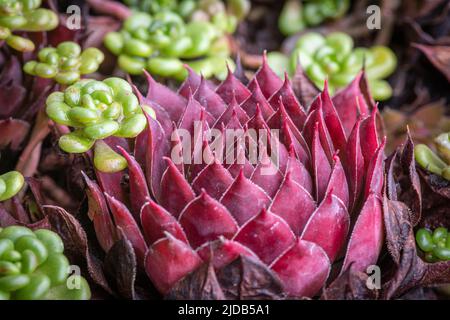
x=173 y=103
x=375 y=172
x=293 y=107
x=139 y=192
x=209 y=99
x=205 y=219
x=223 y=251
x=303 y=269
x=257 y=98
x=156 y=221
x=338 y=182
x=320 y=164
x=130 y=228
x=294 y=204
x=215 y=179
x=168 y=260
x=99 y=214
x=232 y=87
x=367 y=236
x=355 y=165
x=267 y=79
x=267 y=235
x=328 y=226
x=176 y=191
x=244 y=199
x=351 y=103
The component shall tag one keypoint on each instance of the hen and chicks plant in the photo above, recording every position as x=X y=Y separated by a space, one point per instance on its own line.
x=334 y=57
x=96 y=110
x=321 y=203
x=24 y=15
x=66 y=63
x=162 y=40
x=33 y=267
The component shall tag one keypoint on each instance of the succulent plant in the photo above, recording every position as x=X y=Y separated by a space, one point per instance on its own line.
x=334 y=57
x=293 y=219
x=65 y=63
x=298 y=14
x=435 y=163
x=162 y=41
x=217 y=11
x=10 y=184
x=435 y=245
x=24 y=15
x=97 y=110
x=33 y=267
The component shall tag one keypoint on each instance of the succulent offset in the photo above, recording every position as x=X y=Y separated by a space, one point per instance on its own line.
x=324 y=195
x=161 y=41
x=334 y=57
x=435 y=244
x=65 y=63
x=435 y=163
x=33 y=267
x=10 y=184
x=24 y=15
x=223 y=13
x=96 y=110
x=298 y=14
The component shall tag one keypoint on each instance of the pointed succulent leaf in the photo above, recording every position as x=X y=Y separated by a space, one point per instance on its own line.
x=209 y=99
x=367 y=236
x=328 y=226
x=156 y=221
x=205 y=219
x=214 y=179
x=223 y=251
x=267 y=79
x=176 y=192
x=267 y=235
x=294 y=204
x=244 y=199
x=168 y=260
x=232 y=87
x=303 y=269
x=129 y=226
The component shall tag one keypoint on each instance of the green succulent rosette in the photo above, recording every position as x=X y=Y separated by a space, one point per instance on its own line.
x=334 y=58
x=96 y=110
x=163 y=42
x=435 y=244
x=297 y=14
x=33 y=267
x=10 y=184
x=66 y=63
x=437 y=163
x=224 y=14
x=24 y=15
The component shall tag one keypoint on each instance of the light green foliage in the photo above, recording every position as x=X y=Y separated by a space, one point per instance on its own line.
x=334 y=58
x=65 y=63
x=435 y=163
x=166 y=34
x=10 y=184
x=33 y=267
x=24 y=15
x=298 y=14
x=435 y=245
x=96 y=110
